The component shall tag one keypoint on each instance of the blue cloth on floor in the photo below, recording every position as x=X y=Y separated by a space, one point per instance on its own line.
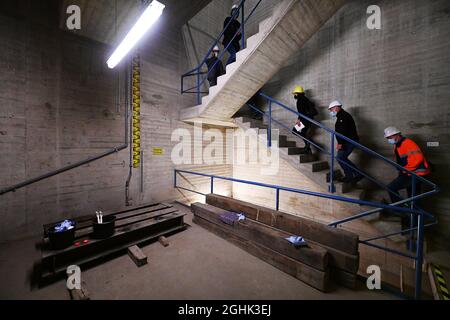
x=231 y=217
x=297 y=241
x=64 y=226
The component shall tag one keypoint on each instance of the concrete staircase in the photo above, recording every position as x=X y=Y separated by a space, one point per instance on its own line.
x=319 y=171
x=291 y=25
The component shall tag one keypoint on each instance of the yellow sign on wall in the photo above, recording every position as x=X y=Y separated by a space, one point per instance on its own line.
x=157 y=151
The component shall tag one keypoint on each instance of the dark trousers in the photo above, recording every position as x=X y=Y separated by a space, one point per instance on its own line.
x=305 y=134
x=232 y=51
x=212 y=81
x=400 y=183
x=345 y=162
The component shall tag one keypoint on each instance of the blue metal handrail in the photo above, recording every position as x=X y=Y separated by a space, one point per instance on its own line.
x=334 y=134
x=380 y=184
x=354 y=143
x=417 y=257
x=197 y=71
x=418 y=212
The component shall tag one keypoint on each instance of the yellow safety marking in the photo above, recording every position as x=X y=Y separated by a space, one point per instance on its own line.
x=442 y=284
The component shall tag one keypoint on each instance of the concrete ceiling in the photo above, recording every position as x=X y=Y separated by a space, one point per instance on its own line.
x=108 y=21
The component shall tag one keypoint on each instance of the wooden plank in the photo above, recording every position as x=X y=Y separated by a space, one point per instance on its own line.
x=121 y=232
x=251 y=211
x=313 y=277
x=80 y=294
x=46 y=274
x=86 y=221
x=134 y=219
x=337 y=258
x=344 y=278
x=312 y=255
x=138 y=257
x=164 y=241
x=342 y=240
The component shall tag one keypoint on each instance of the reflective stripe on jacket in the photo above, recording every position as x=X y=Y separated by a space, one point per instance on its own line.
x=411 y=157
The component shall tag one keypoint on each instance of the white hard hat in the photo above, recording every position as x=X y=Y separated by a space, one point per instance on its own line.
x=235 y=7
x=335 y=104
x=216 y=48
x=391 y=131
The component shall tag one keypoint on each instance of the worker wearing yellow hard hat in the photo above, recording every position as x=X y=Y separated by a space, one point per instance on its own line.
x=306 y=109
x=298 y=90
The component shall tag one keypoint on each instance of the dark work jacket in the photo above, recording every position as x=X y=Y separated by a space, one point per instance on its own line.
x=230 y=32
x=218 y=68
x=346 y=126
x=307 y=108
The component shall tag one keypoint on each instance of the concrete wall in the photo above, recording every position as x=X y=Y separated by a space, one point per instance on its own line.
x=201 y=31
x=57 y=106
x=398 y=76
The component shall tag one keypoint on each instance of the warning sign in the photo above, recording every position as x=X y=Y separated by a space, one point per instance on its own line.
x=157 y=151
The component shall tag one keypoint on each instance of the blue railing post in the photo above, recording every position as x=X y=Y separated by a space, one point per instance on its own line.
x=419 y=255
x=269 y=130
x=412 y=216
x=175 y=179
x=199 y=96
x=182 y=84
x=278 y=200
x=243 y=25
x=212 y=185
x=332 y=188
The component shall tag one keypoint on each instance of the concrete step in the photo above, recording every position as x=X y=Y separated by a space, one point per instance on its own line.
x=387 y=227
x=287 y=144
x=253 y=40
x=373 y=217
x=344 y=187
x=294 y=151
x=324 y=175
x=319 y=166
x=264 y=56
x=306 y=158
x=263 y=25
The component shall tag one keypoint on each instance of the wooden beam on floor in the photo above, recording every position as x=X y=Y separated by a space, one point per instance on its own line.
x=311 y=276
x=138 y=257
x=164 y=241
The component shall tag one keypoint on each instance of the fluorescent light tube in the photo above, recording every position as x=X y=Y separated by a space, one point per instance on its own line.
x=147 y=19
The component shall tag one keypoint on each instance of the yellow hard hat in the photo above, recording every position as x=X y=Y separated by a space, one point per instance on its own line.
x=298 y=89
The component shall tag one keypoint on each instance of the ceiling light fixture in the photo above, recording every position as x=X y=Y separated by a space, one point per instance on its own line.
x=147 y=19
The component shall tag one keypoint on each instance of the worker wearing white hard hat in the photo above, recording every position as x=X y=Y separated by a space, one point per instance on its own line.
x=345 y=126
x=232 y=34
x=408 y=155
x=215 y=66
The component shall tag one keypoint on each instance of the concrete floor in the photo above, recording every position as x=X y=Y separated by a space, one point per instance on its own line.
x=196 y=265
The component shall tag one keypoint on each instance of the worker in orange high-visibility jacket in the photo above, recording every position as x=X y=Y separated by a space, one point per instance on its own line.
x=409 y=156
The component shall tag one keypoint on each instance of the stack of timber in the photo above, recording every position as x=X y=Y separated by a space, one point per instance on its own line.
x=134 y=226
x=331 y=254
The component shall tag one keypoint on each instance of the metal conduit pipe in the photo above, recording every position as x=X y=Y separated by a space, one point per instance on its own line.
x=51 y=174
